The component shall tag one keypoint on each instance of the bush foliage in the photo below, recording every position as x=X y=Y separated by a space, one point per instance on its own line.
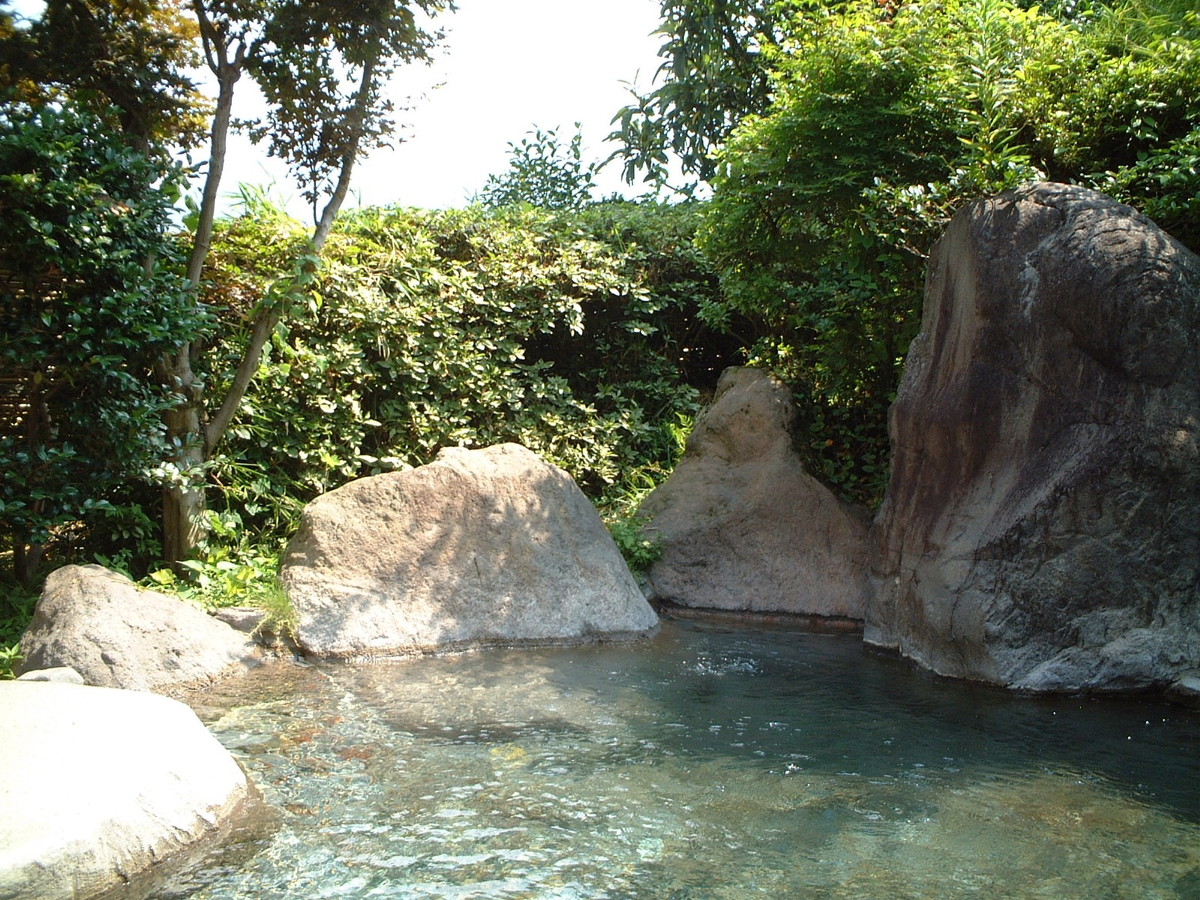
x=570 y=333
x=542 y=172
x=90 y=299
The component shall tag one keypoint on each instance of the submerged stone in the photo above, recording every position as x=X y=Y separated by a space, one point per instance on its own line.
x=479 y=546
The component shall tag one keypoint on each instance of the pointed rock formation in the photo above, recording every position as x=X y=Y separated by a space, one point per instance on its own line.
x=743 y=526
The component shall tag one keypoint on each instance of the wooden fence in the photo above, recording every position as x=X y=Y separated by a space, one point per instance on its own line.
x=17 y=381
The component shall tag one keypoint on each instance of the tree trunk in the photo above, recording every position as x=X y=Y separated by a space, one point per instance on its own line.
x=260 y=332
x=183 y=500
x=27 y=556
x=268 y=317
x=193 y=439
x=184 y=503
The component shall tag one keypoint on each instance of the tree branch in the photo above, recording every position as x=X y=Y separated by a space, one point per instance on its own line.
x=362 y=104
x=227 y=76
x=260 y=332
x=265 y=322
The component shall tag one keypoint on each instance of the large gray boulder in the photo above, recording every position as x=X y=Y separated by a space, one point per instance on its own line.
x=1041 y=529
x=741 y=524
x=479 y=546
x=100 y=785
x=115 y=634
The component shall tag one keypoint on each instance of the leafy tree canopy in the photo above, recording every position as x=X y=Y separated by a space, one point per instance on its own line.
x=125 y=60
x=712 y=75
x=322 y=67
x=882 y=121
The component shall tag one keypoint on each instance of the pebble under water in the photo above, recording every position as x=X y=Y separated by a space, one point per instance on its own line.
x=707 y=762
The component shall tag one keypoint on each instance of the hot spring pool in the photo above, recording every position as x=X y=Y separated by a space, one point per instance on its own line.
x=709 y=762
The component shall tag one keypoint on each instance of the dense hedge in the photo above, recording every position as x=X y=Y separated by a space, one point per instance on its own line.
x=575 y=334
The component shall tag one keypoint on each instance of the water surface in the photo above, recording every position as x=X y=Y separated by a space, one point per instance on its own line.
x=709 y=762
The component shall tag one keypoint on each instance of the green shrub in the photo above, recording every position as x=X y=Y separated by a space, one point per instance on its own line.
x=639 y=550
x=91 y=299
x=232 y=567
x=15 y=613
x=542 y=172
x=570 y=333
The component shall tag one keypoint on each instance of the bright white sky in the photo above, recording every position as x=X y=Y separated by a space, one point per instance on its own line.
x=507 y=66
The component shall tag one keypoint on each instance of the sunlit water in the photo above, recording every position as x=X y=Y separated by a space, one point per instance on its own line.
x=705 y=763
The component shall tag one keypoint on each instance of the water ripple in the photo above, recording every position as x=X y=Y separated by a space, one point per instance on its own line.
x=705 y=764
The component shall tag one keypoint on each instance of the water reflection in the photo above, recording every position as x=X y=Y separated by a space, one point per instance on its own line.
x=708 y=763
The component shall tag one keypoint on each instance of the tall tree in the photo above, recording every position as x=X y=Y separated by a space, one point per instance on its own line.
x=322 y=65
x=93 y=95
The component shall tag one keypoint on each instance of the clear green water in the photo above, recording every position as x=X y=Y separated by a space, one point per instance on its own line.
x=706 y=763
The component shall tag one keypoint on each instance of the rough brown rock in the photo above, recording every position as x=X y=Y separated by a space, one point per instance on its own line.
x=1041 y=529
x=743 y=526
x=115 y=634
x=479 y=546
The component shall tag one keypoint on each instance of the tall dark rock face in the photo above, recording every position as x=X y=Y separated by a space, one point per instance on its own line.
x=1041 y=528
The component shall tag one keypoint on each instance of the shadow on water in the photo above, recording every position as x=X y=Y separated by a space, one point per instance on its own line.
x=876 y=714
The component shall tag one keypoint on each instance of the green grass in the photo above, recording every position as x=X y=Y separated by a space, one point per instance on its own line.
x=16 y=610
x=232 y=573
